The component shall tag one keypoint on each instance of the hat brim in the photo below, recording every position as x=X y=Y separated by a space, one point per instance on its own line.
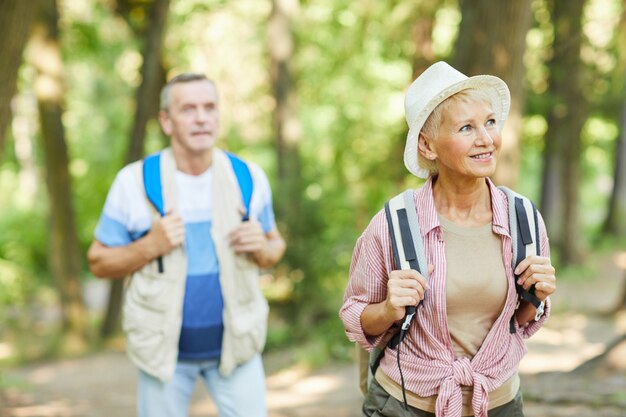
x=494 y=87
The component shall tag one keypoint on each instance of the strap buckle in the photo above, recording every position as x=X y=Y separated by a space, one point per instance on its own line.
x=407 y=321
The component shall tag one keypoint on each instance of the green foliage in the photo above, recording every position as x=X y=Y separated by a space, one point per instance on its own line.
x=15 y=284
x=23 y=250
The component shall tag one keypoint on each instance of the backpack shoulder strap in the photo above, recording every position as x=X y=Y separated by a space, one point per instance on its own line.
x=154 y=192
x=407 y=245
x=152 y=181
x=244 y=178
x=405 y=234
x=152 y=186
x=524 y=229
x=523 y=225
x=408 y=253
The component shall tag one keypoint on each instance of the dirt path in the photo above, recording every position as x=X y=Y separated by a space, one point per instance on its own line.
x=103 y=385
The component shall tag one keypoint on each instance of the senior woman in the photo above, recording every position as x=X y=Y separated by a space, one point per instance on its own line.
x=460 y=356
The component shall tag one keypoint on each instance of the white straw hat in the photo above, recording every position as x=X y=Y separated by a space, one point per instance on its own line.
x=433 y=86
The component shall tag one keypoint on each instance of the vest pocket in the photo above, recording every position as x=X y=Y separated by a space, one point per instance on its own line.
x=151 y=289
x=147 y=339
x=248 y=326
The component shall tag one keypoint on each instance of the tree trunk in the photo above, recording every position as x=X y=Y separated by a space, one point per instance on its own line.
x=562 y=153
x=64 y=254
x=492 y=40
x=615 y=222
x=15 y=22
x=147 y=107
x=423 y=56
x=152 y=79
x=422 y=35
x=286 y=126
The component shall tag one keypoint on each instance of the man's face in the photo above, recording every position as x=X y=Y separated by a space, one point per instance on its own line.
x=192 y=120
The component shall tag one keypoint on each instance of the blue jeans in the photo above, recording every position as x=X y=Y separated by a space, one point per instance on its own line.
x=240 y=394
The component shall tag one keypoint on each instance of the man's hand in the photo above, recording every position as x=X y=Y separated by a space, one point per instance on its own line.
x=248 y=238
x=166 y=233
x=118 y=261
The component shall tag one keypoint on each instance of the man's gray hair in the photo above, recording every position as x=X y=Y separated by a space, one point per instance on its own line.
x=185 y=77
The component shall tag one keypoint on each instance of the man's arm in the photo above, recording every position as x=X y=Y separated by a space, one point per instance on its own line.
x=266 y=249
x=117 y=262
x=272 y=252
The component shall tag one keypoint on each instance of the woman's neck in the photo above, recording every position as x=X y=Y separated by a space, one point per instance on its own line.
x=464 y=202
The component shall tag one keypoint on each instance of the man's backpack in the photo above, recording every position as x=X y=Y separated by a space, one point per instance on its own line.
x=154 y=192
x=408 y=253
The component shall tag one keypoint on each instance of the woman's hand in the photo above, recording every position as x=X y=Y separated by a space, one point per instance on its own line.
x=537 y=270
x=404 y=288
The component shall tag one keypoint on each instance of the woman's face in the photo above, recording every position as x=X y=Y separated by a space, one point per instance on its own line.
x=468 y=141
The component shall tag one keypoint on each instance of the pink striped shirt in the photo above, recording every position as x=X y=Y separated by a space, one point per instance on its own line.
x=429 y=364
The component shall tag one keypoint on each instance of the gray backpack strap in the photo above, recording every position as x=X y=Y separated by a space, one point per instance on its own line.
x=416 y=233
x=524 y=229
x=408 y=253
x=407 y=245
x=405 y=234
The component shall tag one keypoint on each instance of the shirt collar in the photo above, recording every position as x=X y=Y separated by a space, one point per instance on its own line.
x=499 y=208
x=427 y=213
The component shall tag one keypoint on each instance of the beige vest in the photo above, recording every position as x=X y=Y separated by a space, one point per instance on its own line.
x=154 y=301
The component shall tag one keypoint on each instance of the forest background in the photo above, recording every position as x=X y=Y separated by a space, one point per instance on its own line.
x=313 y=92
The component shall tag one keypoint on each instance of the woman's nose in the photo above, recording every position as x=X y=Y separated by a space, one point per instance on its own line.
x=485 y=136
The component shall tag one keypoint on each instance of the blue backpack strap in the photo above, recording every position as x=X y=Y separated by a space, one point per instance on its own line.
x=152 y=181
x=244 y=178
x=152 y=186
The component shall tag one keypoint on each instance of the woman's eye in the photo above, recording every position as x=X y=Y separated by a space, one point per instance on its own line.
x=465 y=128
x=491 y=122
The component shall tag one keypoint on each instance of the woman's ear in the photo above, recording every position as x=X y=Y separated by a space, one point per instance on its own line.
x=425 y=148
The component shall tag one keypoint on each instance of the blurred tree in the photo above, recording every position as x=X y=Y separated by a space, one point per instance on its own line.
x=146 y=108
x=423 y=23
x=15 y=22
x=615 y=222
x=152 y=78
x=64 y=251
x=562 y=152
x=492 y=40
x=286 y=126
x=422 y=56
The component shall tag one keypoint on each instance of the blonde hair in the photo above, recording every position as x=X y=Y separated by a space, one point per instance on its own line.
x=435 y=120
